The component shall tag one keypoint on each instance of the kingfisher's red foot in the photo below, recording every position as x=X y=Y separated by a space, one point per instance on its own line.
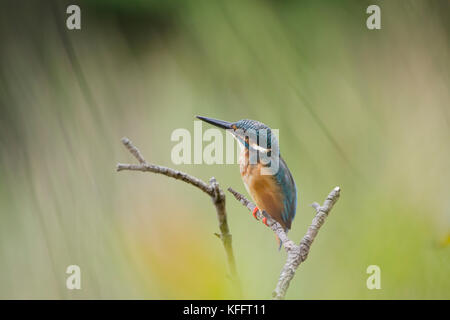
x=264 y=220
x=254 y=213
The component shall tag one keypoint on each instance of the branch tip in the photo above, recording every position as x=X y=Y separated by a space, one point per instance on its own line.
x=316 y=206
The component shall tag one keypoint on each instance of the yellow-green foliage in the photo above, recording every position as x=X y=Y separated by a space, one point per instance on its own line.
x=365 y=110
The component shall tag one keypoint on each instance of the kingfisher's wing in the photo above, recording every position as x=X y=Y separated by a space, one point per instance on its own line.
x=289 y=189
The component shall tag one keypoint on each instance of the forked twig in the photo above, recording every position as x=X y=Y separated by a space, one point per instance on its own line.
x=212 y=189
x=296 y=253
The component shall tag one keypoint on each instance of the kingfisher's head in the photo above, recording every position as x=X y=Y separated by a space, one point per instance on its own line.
x=250 y=133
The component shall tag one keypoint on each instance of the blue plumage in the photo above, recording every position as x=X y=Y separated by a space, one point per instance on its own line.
x=275 y=193
x=289 y=189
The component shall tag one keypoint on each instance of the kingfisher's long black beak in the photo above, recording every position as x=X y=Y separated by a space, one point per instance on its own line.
x=218 y=123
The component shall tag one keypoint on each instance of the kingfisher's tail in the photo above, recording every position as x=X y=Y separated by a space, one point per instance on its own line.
x=280 y=243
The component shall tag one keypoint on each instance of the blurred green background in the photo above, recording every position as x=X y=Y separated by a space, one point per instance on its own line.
x=365 y=110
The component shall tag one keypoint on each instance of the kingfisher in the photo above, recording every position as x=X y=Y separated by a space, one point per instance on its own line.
x=269 y=183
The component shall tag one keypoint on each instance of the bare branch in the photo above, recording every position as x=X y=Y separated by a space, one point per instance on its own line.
x=179 y=175
x=212 y=189
x=296 y=253
x=133 y=150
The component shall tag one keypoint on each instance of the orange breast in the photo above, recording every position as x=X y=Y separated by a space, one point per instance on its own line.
x=264 y=191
